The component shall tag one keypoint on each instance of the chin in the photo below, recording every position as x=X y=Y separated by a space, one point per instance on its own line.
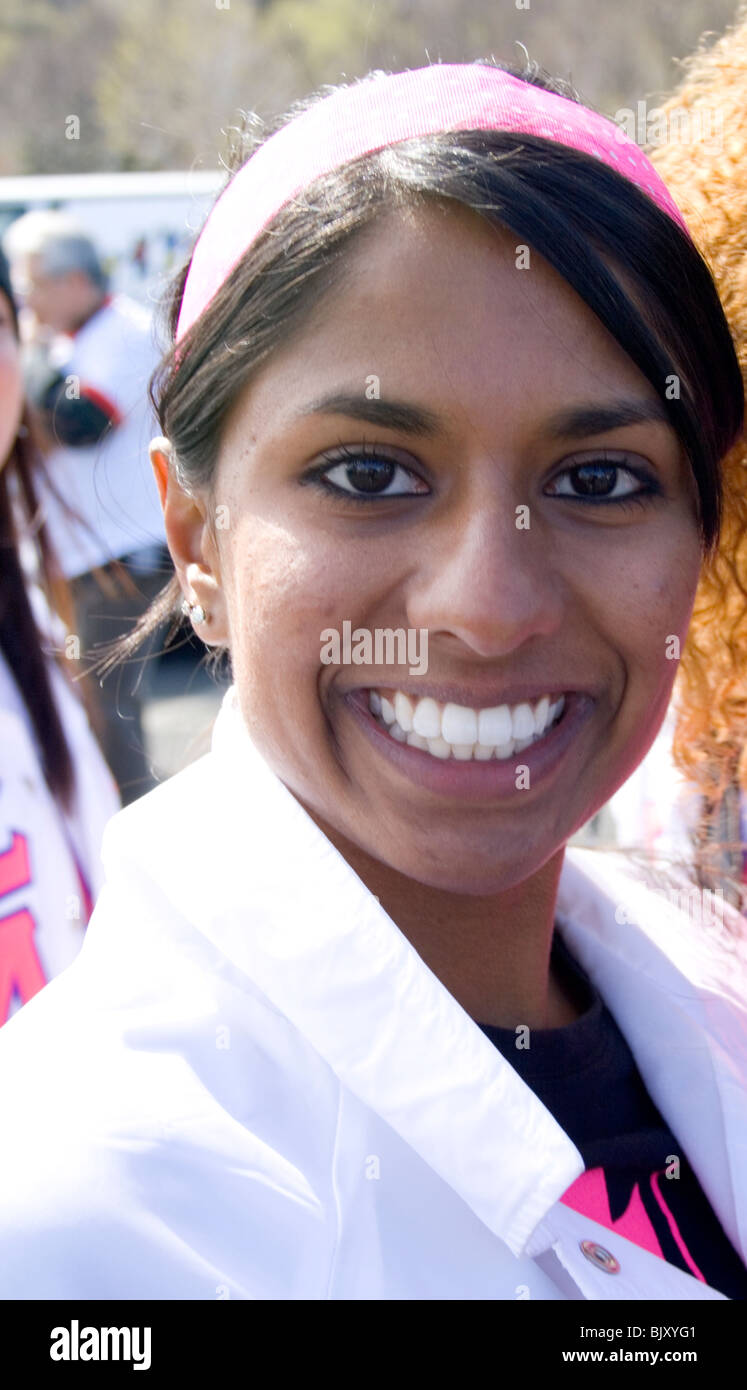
x=485 y=877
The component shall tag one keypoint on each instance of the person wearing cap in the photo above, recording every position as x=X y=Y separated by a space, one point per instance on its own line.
x=88 y=357
x=351 y=1020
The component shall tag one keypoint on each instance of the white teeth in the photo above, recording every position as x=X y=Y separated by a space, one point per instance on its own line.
x=494 y=726
x=457 y=731
x=403 y=711
x=387 y=710
x=523 y=723
x=541 y=714
x=426 y=720
x=463 y=751
x=459 y=725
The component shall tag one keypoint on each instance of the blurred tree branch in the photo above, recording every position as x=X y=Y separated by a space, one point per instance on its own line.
x=153 y=85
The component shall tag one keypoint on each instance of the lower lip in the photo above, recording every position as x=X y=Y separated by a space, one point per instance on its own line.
x=481 y=781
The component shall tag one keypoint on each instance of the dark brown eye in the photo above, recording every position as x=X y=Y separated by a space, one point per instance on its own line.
x=595 y=479
x=364 y=475
x=369 y=475
x=604 y=480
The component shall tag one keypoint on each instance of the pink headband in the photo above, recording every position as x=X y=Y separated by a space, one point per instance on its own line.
x=381 y=111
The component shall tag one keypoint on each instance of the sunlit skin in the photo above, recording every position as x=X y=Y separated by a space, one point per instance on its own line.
x=586 y=598
x=11 y=381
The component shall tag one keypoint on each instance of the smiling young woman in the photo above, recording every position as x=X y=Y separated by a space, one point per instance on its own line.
x=445 y=359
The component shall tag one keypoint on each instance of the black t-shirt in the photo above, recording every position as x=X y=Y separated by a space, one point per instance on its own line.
x=638 y=1181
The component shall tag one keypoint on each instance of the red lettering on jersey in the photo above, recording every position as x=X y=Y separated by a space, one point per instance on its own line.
x=20 y=968
x=15 y=870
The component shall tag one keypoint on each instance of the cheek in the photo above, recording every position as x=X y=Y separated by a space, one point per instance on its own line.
x=281 y=593
x=657 y=600
x=650 y=618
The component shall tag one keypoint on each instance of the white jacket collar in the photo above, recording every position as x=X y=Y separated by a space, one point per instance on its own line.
x=266 y=886
x=678 y=990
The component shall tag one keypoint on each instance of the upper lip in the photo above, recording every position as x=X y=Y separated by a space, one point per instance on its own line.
x=472 y=698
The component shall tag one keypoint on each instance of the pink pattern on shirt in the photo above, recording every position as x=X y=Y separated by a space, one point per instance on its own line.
x=588 y=1196
x=674 y=1228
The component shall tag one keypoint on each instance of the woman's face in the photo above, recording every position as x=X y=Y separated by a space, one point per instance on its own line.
x=529 y=582
x=11 y=383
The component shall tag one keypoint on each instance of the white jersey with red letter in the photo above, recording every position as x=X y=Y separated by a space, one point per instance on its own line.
x=50 y=871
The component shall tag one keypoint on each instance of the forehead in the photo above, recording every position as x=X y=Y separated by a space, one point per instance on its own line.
x=438 y=304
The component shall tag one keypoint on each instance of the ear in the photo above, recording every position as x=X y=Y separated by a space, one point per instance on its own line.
x=192 y=545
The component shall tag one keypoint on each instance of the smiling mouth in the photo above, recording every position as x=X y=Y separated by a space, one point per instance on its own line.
x=458 y=732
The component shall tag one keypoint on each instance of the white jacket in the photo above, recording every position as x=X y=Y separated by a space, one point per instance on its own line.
x=249 y=1084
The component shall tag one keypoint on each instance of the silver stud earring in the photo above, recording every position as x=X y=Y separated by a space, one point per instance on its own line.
x=195 y=611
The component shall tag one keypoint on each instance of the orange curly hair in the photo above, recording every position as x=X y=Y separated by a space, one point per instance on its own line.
x=704 y=163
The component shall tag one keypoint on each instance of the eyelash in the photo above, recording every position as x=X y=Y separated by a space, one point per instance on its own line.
x=315 y=476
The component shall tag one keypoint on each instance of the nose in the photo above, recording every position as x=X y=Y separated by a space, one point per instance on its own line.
x=490 y=578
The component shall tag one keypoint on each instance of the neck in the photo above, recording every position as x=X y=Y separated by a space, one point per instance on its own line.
x=491 y=952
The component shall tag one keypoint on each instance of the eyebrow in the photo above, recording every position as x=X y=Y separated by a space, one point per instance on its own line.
x=586 y=420
x=392 y=414
x=575 y=422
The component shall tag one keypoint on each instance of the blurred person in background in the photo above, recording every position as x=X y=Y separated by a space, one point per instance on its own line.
x=56 y=792
x=687 y=801
x=88 y=356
